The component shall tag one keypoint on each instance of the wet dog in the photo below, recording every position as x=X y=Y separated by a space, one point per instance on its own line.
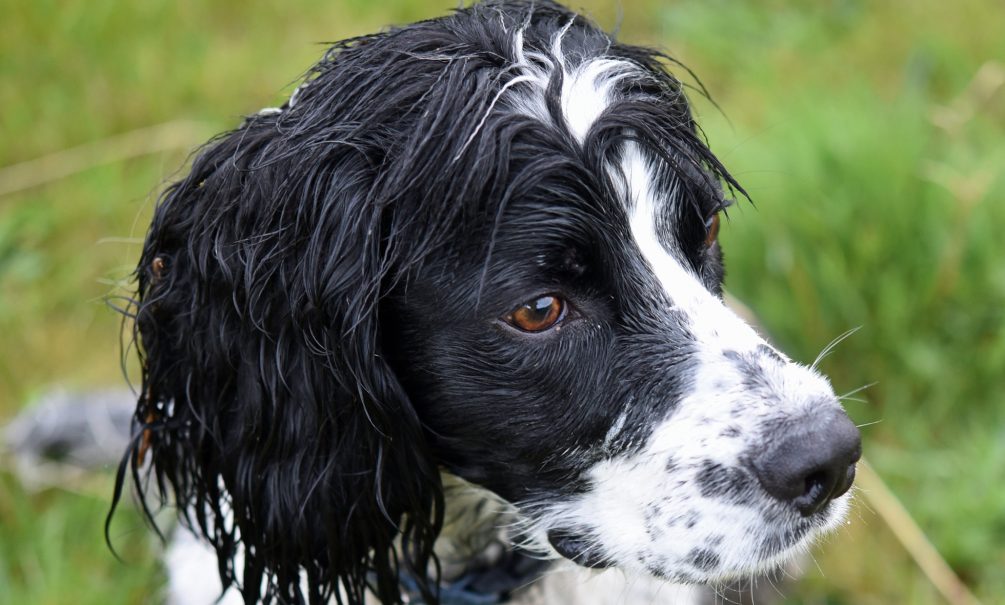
x=456 y=308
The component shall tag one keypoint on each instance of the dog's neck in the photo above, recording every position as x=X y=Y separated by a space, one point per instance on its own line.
x=481 y=564
x=478 y=562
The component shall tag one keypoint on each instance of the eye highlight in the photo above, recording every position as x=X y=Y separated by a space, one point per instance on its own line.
x=537 y=315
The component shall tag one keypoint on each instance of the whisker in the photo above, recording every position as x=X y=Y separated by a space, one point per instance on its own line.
x=832 y=345
x=817 y=563
x=855 y=391
x=774 y=581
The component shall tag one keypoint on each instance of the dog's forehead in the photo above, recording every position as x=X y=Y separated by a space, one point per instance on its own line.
x=621 y=121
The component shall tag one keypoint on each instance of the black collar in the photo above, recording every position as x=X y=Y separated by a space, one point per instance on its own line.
x=486 y=585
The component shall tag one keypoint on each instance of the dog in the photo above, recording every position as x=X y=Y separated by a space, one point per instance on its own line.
x=454 y=312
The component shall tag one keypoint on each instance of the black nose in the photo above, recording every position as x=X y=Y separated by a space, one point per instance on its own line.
x=811 y=464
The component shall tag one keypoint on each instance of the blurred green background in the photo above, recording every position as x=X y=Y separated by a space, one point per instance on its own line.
x=871 y=136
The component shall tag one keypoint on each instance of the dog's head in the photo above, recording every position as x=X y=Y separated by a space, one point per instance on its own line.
x=484 y=244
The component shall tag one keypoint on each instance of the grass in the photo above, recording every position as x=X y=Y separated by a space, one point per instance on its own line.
x=870 y=136
x=52 y=550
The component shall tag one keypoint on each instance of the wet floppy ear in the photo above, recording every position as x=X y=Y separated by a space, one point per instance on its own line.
x=267 y=411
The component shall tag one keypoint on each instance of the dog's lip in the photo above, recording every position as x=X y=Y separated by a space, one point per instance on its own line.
x=577 y=549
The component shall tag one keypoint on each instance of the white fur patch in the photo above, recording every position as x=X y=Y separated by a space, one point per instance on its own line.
x=711 y=322
x=570 y=584
x=586 y=87
x=193 y=578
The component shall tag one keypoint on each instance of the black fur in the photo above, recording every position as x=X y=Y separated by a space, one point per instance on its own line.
x=318 y=302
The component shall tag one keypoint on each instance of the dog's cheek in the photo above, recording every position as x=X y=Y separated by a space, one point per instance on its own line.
x=515 y=414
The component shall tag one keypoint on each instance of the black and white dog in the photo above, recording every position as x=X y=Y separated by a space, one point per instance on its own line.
x=455 y=310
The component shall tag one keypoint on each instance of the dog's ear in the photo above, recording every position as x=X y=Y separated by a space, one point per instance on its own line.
x=267 y=410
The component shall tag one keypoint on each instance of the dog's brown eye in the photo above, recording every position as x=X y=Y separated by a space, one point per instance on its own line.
x=711 y=229
x=537 y=315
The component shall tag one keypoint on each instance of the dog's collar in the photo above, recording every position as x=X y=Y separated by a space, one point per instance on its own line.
x=486 y=585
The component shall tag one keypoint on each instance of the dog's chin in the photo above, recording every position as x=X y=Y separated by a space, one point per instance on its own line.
x=773 y=552
x=765 y=554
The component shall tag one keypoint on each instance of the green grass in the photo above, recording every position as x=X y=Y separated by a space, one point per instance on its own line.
x=52 y=549
x=873 y=158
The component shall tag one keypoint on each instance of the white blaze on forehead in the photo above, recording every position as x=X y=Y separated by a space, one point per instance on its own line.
x=709 y=318
x=586 y=88
x=718 y=331
x=586 y=93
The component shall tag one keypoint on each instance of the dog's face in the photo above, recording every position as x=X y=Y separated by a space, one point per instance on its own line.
x=589 y=373
x=485 y=244
x=575 y=356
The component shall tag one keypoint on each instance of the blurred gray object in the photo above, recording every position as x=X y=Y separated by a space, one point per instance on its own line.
x=68 y=433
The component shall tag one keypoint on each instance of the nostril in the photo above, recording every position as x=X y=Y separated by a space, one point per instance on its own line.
x=814 y=484
x=818 y=490
x=815 y=492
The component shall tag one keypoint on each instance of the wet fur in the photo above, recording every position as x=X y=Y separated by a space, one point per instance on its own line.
x=319 y=300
